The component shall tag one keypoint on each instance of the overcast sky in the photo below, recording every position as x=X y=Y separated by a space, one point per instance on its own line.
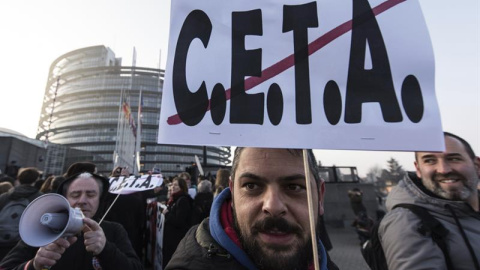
x=35 y=33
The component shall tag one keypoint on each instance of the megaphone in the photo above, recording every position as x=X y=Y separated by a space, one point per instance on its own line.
x=48 y=218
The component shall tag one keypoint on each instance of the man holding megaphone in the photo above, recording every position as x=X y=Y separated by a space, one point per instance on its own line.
x=65 y=246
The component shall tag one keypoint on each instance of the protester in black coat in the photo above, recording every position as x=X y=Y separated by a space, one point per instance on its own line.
x=202 y=202
x=177 y=218
x=26 y=178
x=130 y=211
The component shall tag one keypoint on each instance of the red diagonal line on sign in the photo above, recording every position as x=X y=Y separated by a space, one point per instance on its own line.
x=289 y=61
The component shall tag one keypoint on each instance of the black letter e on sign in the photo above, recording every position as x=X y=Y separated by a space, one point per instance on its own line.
x=245 y=108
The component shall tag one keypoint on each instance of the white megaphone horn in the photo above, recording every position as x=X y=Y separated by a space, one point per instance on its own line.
x=48 y=218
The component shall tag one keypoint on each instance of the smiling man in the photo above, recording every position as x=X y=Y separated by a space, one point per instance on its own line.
x=100 y=246
x=261 y=221
x=445 y=183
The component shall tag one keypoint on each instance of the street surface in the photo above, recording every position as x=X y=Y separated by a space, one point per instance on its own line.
x=346 y=249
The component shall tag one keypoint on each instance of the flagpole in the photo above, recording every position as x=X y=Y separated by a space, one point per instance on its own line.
x=132 y=143
x=118 y=141
x=138 y=141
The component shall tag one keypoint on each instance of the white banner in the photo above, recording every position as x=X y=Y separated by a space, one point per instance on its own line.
x=127 y=185
x=294 y=74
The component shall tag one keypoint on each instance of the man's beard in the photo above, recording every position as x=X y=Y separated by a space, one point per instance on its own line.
x=278 y=257
x=460 y=194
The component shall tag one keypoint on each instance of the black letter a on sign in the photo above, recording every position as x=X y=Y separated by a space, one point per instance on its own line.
x=375 y=84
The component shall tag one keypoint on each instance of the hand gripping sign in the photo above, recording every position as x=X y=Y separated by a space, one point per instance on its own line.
x=330 y=74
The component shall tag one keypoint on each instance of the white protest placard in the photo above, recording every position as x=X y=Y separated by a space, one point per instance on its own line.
x=199 y=165
x=295 y=74
x=131 y=184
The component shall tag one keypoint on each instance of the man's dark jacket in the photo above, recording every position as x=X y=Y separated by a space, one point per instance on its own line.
x=117 y=253
x=200 y=250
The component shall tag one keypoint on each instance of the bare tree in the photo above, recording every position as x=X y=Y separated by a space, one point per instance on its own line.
x=373 y=173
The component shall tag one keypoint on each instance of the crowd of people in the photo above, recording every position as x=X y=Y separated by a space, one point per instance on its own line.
x=254 y=216
x=186 y=204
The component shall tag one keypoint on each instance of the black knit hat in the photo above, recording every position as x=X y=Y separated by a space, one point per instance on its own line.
x=79 y=167
x=104 y=180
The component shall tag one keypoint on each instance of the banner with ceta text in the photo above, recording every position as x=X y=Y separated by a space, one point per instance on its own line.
x=134 y=183
x=330 y=74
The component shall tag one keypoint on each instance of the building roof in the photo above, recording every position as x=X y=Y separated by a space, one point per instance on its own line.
x=5 y=132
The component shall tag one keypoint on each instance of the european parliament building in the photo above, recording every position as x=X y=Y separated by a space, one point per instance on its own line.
x=91 y=109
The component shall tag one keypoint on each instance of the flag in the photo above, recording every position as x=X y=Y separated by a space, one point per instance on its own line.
x=126 y=110
x=133 y=126
x=128 y=115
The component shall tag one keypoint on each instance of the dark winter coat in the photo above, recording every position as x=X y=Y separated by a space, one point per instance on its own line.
x=129 y=211
x=19 y=192
x=202 y=205
x=117 y=253
x=207 y=246
x=199 y=251
x=177 y=223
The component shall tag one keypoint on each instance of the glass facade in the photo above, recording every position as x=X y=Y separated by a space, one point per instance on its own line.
x=82 y=106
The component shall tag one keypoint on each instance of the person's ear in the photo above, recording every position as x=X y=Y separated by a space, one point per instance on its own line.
x=417 y=169
x=476 y=163
x=230 y=184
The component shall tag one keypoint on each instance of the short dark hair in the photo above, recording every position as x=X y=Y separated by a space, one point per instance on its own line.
x=221 y=181
x=28 y=175
x=5 y=187
x=46 y=186
x=56 y=183
x=466 y=145
x=185 y=175
x=312 y=162
x=6 y=178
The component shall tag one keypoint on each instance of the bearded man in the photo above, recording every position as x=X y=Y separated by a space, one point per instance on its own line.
x=261 y=221
x=445 y=184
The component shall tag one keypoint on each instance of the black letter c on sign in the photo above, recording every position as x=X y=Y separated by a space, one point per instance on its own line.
x=191 y=107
